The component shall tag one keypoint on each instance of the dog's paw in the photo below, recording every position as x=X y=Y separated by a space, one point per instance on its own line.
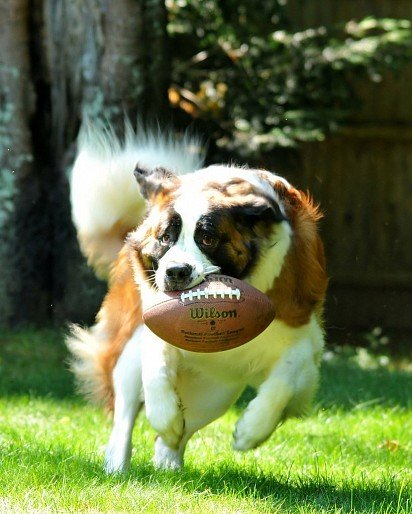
x=167 y=458
x=245 y=439
x=117 y=460
x=167 y=419
x=252 y=429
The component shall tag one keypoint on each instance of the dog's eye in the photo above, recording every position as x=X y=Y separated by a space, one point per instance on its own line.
x=165 y=239
x=208 y=240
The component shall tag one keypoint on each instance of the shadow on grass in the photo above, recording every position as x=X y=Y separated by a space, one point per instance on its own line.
x=34 y=362
x=313 y=492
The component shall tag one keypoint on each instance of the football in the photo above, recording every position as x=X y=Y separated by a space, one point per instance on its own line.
x=219 y=314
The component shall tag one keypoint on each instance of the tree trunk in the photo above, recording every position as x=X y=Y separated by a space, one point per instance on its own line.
x=62 y=60
x=24 y=282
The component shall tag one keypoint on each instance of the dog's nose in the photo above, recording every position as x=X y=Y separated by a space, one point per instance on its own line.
x=178 y=271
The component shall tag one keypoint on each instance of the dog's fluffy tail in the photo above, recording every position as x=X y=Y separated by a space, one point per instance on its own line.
x=105 y=199
x=87 y=362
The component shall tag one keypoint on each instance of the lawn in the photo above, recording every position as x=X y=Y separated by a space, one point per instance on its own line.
x=353 y=454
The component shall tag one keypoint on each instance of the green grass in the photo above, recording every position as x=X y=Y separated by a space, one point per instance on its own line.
x=352 y=455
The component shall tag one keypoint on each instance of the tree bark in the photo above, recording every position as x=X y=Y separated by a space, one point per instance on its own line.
x=62 y=60
x=24 y=283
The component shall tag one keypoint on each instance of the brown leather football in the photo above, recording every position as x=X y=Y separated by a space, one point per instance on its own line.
x=219 y=314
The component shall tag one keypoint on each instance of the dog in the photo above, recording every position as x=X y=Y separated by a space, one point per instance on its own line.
x=166 y=227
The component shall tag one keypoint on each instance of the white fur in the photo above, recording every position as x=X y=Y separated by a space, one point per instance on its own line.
x=86 y=347
x=159 y=369
x=274 y=254
x=103 y=188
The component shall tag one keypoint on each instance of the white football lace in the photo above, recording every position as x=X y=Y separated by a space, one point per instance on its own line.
x=214 y=293
x=211 y=269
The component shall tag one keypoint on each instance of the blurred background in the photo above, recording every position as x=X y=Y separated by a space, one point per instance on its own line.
x=319 y=91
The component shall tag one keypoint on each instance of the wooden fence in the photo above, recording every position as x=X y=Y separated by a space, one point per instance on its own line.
x=363 y=179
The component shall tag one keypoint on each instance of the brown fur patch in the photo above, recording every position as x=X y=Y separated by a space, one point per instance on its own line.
x=118 y=318
x=234 y=187
x=234 y=192
x=237 y=245
x=301 y=286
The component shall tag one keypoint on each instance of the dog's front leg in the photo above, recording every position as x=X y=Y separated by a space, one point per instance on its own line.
x=163 y=408
x=292 y=380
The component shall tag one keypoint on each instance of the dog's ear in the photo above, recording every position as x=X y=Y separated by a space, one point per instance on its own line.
x=296 y=201
x=153 y=182
x=264 y=210
x=290 y=198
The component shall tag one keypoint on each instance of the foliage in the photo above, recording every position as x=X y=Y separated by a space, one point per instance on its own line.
x=351 y=455
x=258 y=83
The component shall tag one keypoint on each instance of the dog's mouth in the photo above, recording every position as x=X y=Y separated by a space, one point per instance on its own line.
x=170 y=284
x=178 y=286
x=179 y=277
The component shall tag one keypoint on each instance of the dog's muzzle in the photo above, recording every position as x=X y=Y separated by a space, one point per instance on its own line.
x=178 y=276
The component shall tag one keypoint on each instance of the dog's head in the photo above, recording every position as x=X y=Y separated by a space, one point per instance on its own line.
x=218 y=219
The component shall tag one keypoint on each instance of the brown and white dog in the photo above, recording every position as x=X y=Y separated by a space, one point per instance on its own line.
x=167 y=231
